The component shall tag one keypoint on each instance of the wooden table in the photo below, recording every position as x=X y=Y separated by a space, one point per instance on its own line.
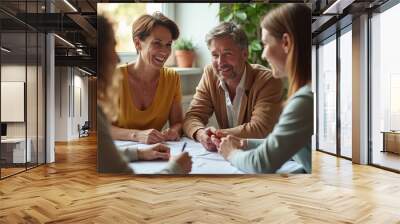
x=391 y=141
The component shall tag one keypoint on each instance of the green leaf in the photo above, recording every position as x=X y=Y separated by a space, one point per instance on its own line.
x=251 y=12
x=241 y=15
x=255 y=45
x=184 y=44
x=250 y=31
x=228 y=18
x=223 y=12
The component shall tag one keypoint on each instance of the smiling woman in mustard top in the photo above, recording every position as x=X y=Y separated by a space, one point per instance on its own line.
x=150 y=94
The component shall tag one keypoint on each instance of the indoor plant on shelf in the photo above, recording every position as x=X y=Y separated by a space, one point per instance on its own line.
x=184 y=52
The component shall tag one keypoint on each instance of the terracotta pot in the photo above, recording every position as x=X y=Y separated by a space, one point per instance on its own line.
x=184 y=58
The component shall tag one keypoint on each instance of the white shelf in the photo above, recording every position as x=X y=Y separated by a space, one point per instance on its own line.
x=188 y=71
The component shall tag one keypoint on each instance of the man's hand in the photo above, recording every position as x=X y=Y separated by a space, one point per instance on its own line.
x=220 y=133
x=171 y=134
x=157 y=151
x=210 y=131
x=216 y=138
x=204 y=137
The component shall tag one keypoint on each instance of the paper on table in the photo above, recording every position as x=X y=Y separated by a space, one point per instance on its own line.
x=148 y=167
x=119 y=143
x=207 y=166
x=204 y=162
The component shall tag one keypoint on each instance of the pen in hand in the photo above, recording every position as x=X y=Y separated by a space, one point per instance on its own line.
x=183 y=147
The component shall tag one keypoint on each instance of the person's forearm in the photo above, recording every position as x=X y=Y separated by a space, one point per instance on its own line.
x=191 y=125
x=177 y=127
x=196 y=133
x=118 y=133
x=251 y=161
x=131 y=153
x=252 y=143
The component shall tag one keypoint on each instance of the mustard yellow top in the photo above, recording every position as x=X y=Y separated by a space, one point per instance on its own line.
x=157 y=114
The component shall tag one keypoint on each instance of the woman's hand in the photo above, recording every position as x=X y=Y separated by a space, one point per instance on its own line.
x=171 y=134
x=157 y=151
x=230 y=144
x=184 y=160
x=150 y=136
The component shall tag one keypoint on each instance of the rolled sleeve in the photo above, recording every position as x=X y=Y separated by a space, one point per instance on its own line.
x=254 y=143
x=201 y=107
x=130 y=153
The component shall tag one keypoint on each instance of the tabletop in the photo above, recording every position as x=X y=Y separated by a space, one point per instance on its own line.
x=204 y=162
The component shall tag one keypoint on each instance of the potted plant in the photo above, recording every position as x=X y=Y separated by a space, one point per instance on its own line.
x=184 y=52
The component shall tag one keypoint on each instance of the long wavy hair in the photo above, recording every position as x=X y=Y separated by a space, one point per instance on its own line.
x=108 y=79
x=295 y=20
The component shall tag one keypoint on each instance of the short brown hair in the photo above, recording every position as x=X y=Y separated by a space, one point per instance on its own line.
x=228 y=29
x=143 y=26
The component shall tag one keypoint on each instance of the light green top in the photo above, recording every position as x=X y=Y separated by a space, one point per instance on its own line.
x=290 y=139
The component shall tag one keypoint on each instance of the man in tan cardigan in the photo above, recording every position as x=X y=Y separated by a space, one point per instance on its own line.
x=245 y=98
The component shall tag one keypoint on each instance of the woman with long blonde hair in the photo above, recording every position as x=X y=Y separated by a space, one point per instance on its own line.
x=286 y=36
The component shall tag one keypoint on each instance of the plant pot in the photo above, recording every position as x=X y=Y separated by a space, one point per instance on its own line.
x=184 y=59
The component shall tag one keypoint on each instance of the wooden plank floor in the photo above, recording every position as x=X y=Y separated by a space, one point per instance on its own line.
x=10 y=171
x=70 y=191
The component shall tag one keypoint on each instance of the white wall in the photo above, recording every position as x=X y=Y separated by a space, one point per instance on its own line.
x=195 y=20
x=33 y=126
x=79 y=117
x=14 y=73
x=61 y=103
x=67 y=114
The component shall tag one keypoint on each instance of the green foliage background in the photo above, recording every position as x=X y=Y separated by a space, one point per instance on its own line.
x=184 y=44
x=248 y=16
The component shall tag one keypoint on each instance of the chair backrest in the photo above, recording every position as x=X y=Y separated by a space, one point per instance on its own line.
x=86 y=125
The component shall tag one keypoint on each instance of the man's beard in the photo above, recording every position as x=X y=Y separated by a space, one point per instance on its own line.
x=231 y=76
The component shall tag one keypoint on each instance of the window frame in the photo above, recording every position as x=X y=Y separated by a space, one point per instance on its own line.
x=345 y=26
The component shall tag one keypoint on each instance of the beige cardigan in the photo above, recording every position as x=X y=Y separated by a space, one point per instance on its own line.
x=259 y=111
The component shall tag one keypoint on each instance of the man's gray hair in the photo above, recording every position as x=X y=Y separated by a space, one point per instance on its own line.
x=228 y=29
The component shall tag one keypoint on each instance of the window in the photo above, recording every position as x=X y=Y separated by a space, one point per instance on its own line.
x=123 y=15
x=327 y=95
x=385 y=85
x=22 y=67
x=346 y=93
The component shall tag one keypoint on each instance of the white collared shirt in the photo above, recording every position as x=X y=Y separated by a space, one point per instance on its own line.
x=233 y=108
